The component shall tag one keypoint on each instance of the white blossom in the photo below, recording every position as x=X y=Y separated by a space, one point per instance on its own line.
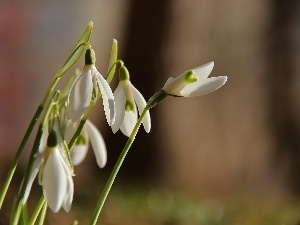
x=89 y=133
x=194 y=82
x=55 y=176
x=128 y=101
x=89 y=82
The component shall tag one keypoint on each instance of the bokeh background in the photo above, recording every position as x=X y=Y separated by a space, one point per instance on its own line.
x=231 y=157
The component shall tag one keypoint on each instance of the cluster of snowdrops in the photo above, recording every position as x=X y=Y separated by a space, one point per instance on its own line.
x=64 y=132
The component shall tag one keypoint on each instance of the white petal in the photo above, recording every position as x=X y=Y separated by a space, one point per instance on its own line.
x=79 y=151
x=54 y=180
x=173 y=86
x=78 y=154
x=67 y=203
x=129 y=122
x=69 y=195
x=141 y=104
x=97 y=142
x=203 y=71
x=120 y=100
x=108 y=99
x=204 y=86
x=80 y=95
x=170 y=81
x=36 y=166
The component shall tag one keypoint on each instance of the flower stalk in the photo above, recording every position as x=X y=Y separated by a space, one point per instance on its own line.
x=157 y=97
x=37 y=210
x=32 y=157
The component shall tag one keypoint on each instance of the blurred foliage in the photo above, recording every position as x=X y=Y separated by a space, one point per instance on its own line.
x=163 y=206
x=129 y=204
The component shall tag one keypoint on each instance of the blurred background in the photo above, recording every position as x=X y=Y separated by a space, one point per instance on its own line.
x=231 y=157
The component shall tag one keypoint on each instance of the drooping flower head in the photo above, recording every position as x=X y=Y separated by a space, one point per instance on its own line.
x=128 y=102
x=89 y=133
x=86 y=87
x=194 y=82
x=55 y=175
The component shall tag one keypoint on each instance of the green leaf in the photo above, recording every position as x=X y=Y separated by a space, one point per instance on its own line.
x=77 y=51
x=112 y=62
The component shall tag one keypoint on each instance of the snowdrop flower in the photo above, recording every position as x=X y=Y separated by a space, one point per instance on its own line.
x=87 y=86
x=55 y=175
x=194 y=82
x=128 y=99
x=88 y=133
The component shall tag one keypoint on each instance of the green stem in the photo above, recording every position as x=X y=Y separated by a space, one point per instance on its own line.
x=25 y=139
x=37 y=210
x=35 y=148
x=157 y=97
x=43 y=214
x=81 y=124
x=18 y=154
x=24 y=219
x=30 y=128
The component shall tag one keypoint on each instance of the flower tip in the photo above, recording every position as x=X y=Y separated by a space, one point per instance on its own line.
x=210 y=65
x=115 y=40
x=114 y=129
x=148 y=130
x=225 y=78
x=91 y=24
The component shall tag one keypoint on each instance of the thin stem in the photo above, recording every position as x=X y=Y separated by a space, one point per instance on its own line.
x=24 y=219
x=16 y=212
x=80 y=126
x=37 y=210
x=18 y=154
x=116 y=169
x=36 y=144
x=31 y=126
x=25 y=139
x=157 y=97
x=43 y=214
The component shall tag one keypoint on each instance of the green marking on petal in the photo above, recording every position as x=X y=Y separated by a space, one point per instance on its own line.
x=129 y=106
x=189 y=77
x=81 y=140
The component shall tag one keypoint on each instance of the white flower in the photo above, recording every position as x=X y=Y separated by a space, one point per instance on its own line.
x=128 y=100
x=194 y=82
x=55 y=176
x=89 y=133
x=87 y=84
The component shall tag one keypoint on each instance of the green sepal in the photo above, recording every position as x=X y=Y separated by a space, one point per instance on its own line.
x=90 y=57
x=123 y=73
x=156 y=98
x=52 y=139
